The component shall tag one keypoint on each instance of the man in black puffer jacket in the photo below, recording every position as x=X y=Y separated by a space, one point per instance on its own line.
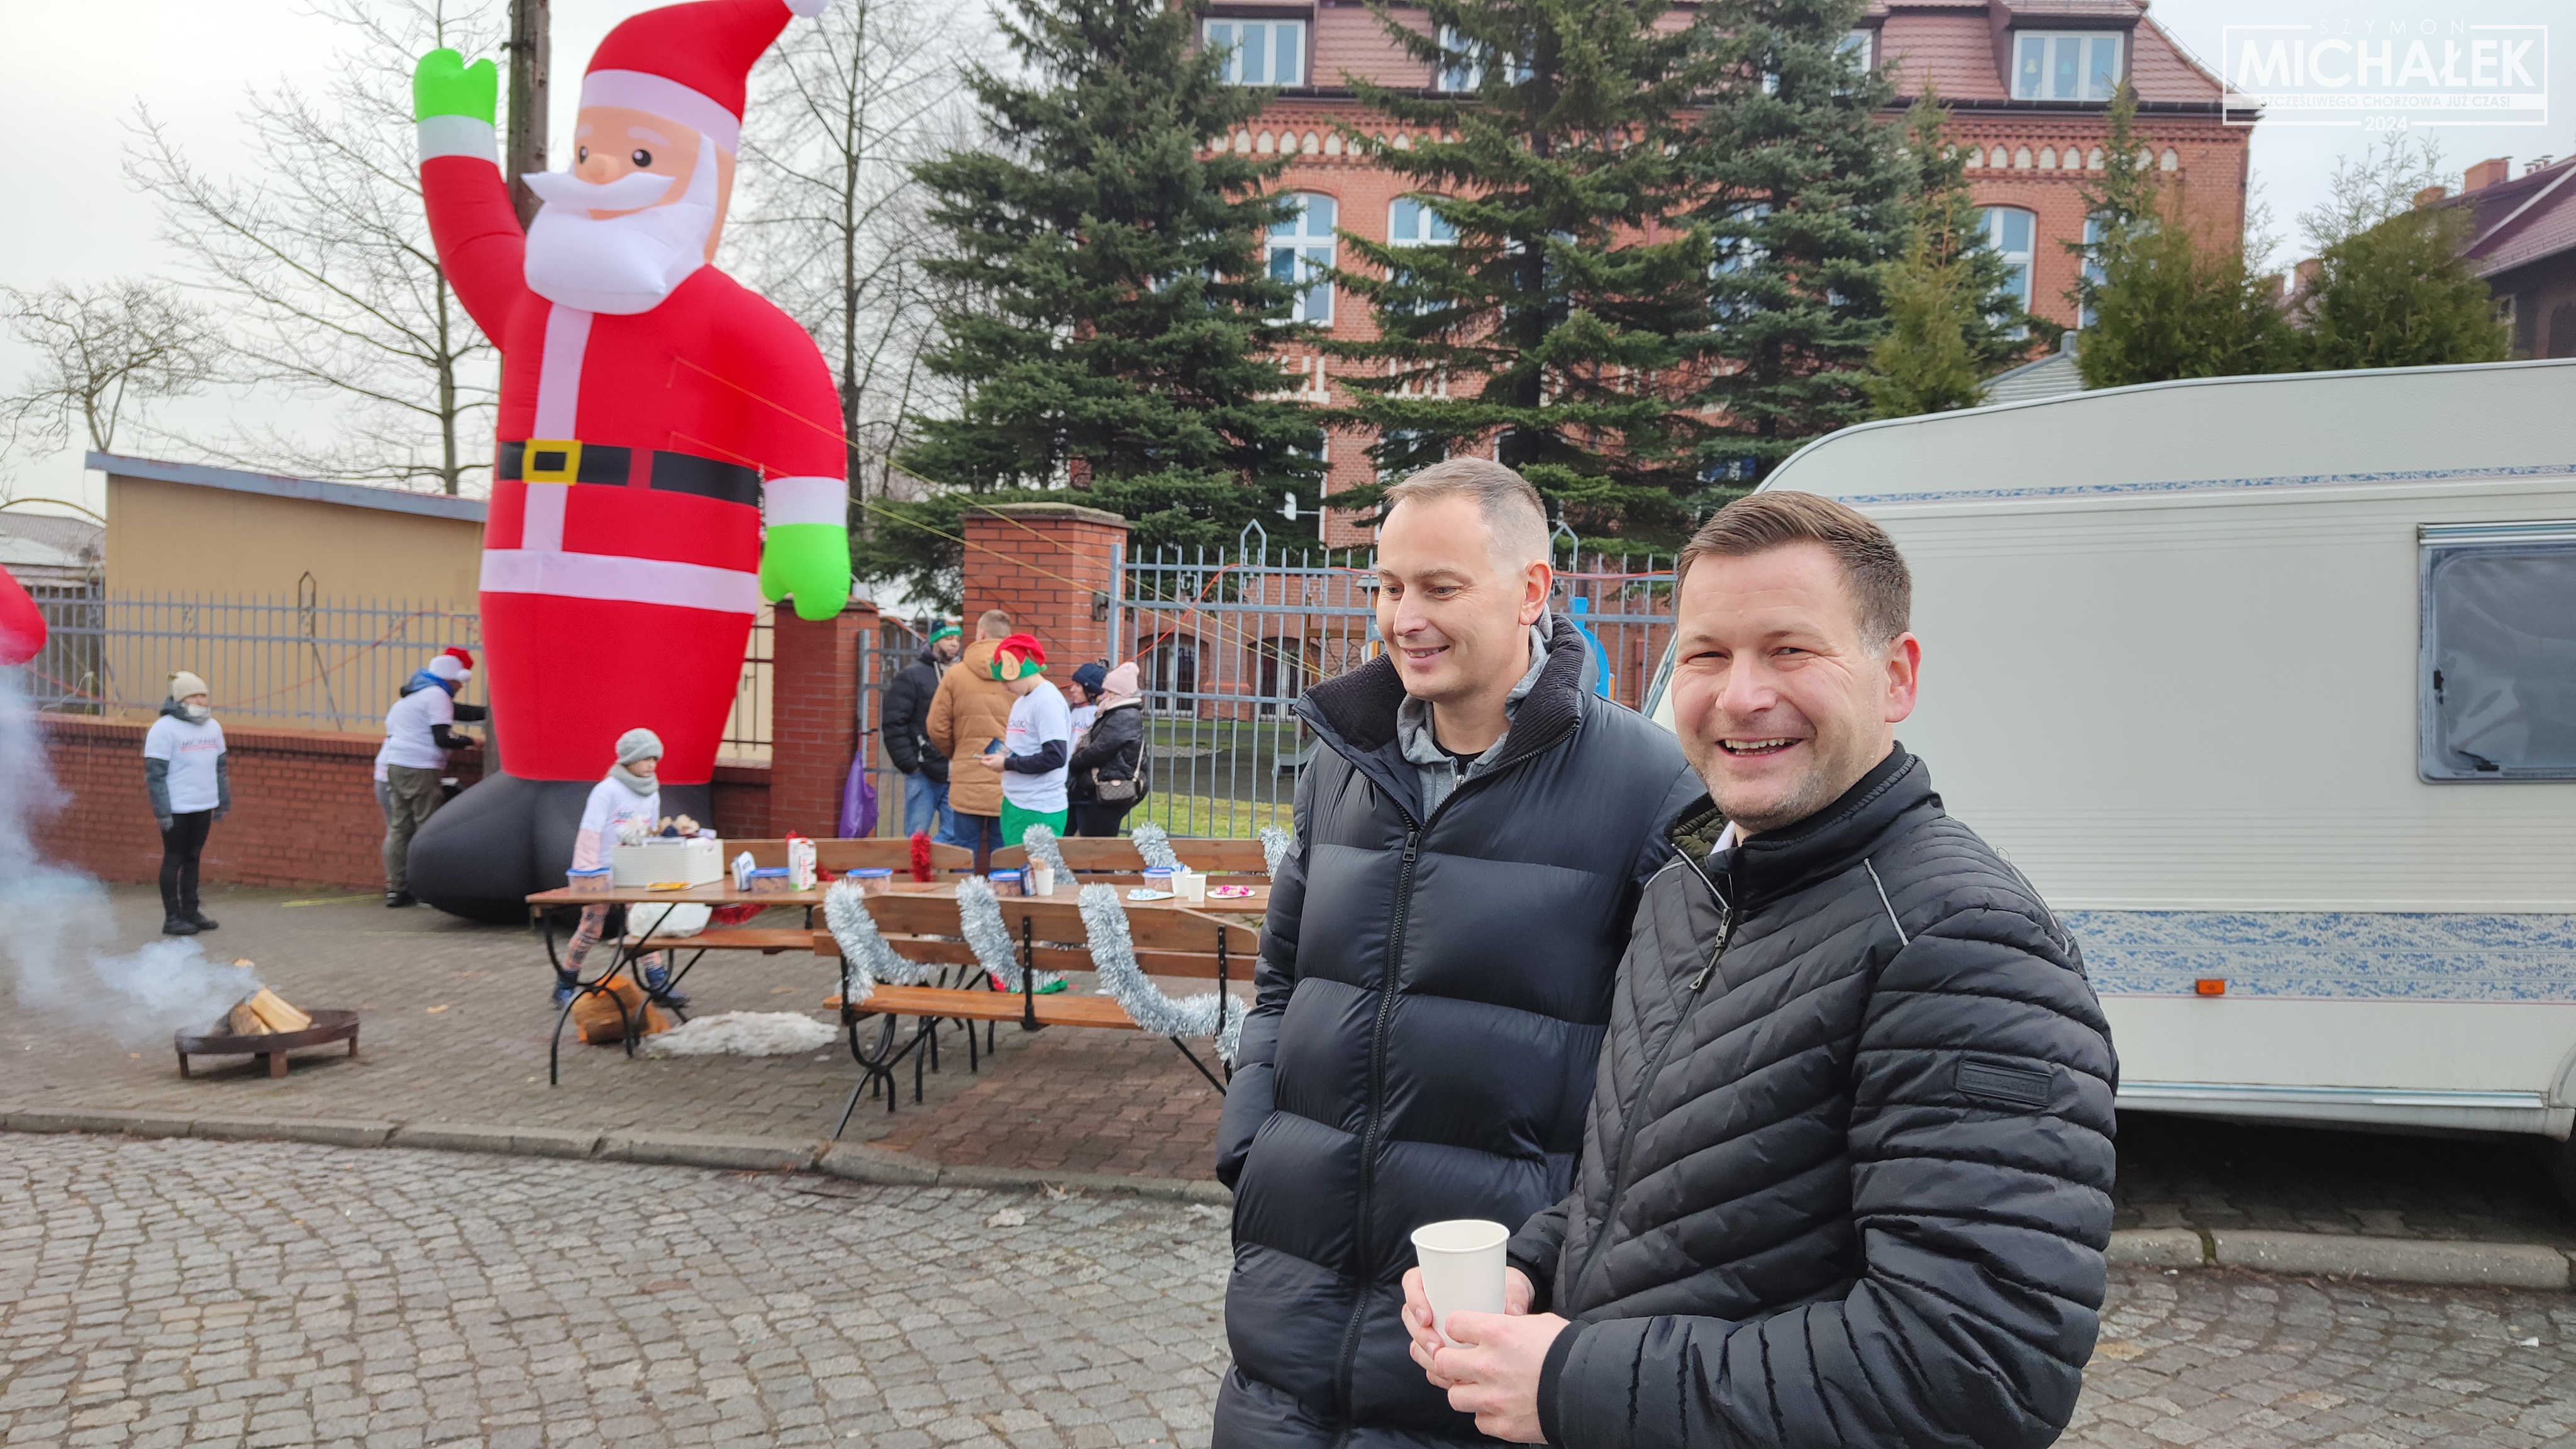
x=1435 y=971
x=1847 y=1175
x=905 y=720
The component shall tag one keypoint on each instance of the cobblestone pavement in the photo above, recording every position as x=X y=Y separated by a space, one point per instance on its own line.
x=159 y=1293
x=456 y=1027
x=179 y=1291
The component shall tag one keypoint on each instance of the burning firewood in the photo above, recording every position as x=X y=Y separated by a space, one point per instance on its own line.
x=263 y=1013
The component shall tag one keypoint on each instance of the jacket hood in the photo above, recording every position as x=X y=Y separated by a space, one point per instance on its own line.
x=1773 y=864
x=978 y=657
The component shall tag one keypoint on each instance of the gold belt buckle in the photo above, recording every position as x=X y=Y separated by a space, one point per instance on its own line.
x=550 y=460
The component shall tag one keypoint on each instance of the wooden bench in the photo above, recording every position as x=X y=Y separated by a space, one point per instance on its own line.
x=1112 y=860
x=831 y=857
x=1050 y=936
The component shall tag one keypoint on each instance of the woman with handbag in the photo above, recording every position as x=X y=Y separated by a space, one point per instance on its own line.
x=1110 y=758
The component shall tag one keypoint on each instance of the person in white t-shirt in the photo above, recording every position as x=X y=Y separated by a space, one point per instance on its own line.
x=1035 y=746
x=631 y=795
x=191 y=787
x=412 y=762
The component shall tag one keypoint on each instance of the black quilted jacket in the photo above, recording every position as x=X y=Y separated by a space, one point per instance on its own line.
x=1431 y=998
x=1848 y=1171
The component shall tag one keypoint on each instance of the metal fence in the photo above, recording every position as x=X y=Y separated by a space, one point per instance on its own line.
x=1226 y=640
x=307 y=663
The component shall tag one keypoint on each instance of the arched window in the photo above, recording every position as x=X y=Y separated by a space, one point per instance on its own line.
x=2012 y=232
x=1411 y=223
x=1301 y=252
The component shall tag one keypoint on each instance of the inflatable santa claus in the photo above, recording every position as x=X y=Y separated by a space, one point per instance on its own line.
x=670 y=450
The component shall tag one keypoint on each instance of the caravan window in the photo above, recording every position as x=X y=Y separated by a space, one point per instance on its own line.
x=2497 y=682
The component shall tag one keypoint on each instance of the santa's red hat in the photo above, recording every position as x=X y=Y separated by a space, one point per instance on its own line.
x=461 y=656
x=689 y=62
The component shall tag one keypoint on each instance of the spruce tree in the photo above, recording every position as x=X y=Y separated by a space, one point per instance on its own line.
x=1566 y=312
x=2172 y=305
x=2119 y=204
x=1952 y=320
x=1807 y=197
x=2401 y=295
x=1111 y=323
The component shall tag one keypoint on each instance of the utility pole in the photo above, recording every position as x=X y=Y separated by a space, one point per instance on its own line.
x=529 y=56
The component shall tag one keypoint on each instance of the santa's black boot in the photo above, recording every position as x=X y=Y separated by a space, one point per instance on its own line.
x=504 y=839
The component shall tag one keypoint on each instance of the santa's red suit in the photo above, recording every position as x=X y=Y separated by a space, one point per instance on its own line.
x=622 y=551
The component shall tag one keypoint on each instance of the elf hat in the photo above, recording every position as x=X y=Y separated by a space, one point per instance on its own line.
x=689 y=62
x=1018 y=657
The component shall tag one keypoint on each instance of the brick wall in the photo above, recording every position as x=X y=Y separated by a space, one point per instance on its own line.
x=1046 y=565
x=814 y=718
x=304 y=806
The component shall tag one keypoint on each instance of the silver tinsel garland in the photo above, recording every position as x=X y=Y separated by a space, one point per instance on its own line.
x=1113 y=955
x=979 y=919
x=1155 y=844
x=1043 y=850
x=1276 y=842
x=866 y=959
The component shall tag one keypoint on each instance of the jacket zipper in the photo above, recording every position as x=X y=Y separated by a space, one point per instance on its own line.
x=1413 y=833
x=1646 y=1085
x=1377 y=1113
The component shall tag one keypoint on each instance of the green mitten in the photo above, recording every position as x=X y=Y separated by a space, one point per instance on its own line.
x=444 y=85
x=810 y=561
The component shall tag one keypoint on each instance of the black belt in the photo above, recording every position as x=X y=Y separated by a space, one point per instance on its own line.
x=557 y=461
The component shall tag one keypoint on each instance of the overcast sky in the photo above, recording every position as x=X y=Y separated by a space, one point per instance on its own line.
x=71 y=75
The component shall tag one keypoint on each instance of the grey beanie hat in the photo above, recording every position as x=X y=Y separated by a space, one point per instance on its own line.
x=638 y=744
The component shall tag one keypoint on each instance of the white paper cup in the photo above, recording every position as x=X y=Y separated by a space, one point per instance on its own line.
x=1190 y=887
x=1462 y=1267
x=1042 y=880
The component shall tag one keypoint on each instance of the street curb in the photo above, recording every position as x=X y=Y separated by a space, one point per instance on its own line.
x=2429 y=1261
x=2434 y=1262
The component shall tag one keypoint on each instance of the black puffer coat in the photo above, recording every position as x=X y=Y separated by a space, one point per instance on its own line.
x=1114 y=745
x=1431 y=1000
x=906 y=717
x=1847 y=1179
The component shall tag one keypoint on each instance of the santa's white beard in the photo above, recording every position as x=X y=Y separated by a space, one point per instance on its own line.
x=622 y=264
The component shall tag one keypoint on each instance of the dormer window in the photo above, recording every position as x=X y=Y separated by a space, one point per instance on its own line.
x=2069 y=65
x=1258 y=52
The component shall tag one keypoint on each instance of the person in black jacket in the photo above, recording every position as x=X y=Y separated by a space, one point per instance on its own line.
x=1436 y=965
x=1111 y=751
x=1847 y=1178
x=907 y=711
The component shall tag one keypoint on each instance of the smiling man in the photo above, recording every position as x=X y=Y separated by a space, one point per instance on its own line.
x=1435 y=971
x=1847 y=1175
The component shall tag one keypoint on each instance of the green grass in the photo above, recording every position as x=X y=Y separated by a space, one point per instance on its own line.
x=1209 y=817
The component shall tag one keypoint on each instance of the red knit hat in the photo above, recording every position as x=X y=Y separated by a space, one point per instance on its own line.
x=689 y=62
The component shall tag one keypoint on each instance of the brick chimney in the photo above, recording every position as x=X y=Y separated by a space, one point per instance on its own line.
x=2308 y=272
x=2431 y=194
x=2487 y=173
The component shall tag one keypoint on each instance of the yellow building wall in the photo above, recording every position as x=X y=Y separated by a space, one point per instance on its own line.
x=165 y=538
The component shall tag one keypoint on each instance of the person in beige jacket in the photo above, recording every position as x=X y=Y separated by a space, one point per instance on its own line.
x=967 y=715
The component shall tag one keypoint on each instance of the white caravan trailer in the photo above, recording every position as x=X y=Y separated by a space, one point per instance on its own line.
x=2269 y=685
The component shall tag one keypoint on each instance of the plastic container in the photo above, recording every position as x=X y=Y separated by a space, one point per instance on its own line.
x=1008 y=883
x=771 y=880
x=872 y=880
x=596 y=881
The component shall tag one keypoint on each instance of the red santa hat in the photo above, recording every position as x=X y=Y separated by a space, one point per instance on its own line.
x=461 y=656
x=689 y=62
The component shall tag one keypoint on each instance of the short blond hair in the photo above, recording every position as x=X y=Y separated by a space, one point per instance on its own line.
x=992 y=624
x=1514 y=514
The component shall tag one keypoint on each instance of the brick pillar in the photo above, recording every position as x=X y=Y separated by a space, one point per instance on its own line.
x=814 y=707
x=1048 y=566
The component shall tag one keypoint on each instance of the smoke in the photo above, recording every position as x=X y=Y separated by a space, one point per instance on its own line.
x=58 y=931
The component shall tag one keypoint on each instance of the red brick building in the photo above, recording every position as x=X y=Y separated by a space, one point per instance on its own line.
x=2027 y=82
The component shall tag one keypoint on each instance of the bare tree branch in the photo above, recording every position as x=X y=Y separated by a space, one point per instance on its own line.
x=99 y=348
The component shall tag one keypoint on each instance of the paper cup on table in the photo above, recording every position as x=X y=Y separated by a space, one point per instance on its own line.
x=1041 y=880
x=1190 y=886
x=1462 y=1267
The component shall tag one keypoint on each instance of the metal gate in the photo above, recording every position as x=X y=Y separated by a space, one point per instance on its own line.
x=1226 y=640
